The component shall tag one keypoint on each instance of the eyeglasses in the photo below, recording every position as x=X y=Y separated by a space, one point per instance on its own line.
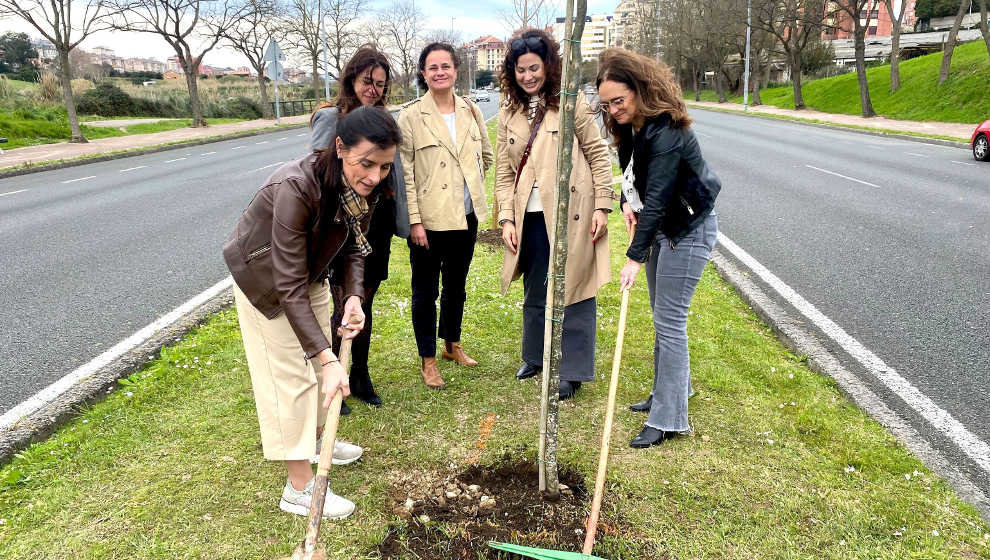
x=616 y=103
x=369 y=82
x=534 y=43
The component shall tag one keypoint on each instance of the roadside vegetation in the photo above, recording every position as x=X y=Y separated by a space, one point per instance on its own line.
x=780 y=464
x=962 y=98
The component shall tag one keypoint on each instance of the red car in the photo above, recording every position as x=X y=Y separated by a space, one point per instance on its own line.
x=981 y=142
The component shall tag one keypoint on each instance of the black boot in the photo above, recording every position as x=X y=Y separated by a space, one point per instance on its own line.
x=527 y=370
x=344 y=409
x=650 y=436
x=362 y=388
x=641 y=406
x=568 y=389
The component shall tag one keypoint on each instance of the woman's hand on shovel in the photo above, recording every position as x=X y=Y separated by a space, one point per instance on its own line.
x=353 y=320
x=334 y=379
x=628 y=275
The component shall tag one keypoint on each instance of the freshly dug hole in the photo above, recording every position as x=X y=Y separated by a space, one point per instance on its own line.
x=455 y=516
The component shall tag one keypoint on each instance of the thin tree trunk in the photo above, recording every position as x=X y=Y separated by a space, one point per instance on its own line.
x=316 y=78
x=895 y=44
x=266 y=108
x=796 y=79
x=865 y=104
x=694 y=80
x=194 y=105
x=984 y=30
x=950 y=44
x=65 y=77
x=553 y=333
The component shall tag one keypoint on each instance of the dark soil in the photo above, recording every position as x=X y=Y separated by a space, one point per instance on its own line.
x=491 y=236
x=454 y=517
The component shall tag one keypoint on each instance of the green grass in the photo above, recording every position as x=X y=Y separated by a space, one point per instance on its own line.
x=963 y=98
x=170 y=465
x=162 y=126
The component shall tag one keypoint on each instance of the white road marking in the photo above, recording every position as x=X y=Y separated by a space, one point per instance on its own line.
x=79 y=179
x=207 y=153
x=963 y=162
x=974 y=448
x=283 y=138
x=50 y=393
x=916 y=155
x=238 y=147
x=301 y=134
x=841 y=175
x=262 y=142
x=15 y=192
x=174 y=160
x=132 y=168
x=267 y=166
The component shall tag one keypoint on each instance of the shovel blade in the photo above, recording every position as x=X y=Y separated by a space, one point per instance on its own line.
x=541 y=553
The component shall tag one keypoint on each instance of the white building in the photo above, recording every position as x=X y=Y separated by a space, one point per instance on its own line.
x=598 y=34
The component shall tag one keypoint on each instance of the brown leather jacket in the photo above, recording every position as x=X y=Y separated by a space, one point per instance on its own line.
x=287 y=239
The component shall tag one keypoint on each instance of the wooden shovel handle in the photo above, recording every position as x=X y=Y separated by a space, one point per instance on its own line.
x=326 y=455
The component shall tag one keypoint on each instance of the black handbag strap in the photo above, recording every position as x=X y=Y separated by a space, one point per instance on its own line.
x=532 y=138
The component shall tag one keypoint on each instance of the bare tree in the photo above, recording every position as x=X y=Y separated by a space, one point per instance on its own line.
x=522 y=14
x=56 y=22
x=950 y=43
x=401 y=22
x=852 y=10
x=642 y=33
x=251 y=35
x=304 y=23
x=342 y=31
x=180 y=23
x=895 y=43
x=794 y=23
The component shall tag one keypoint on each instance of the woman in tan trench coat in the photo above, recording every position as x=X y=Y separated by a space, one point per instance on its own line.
x=530 y=82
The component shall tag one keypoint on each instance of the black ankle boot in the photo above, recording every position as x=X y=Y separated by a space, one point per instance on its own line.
x=568 y=389
x=362 y=388
x=527 y=370
x=642 y=406
x=650 y=436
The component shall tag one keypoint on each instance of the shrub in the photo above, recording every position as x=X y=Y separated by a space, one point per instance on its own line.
x=81 y=86
x=5 y=88
x=106 y=100
x=49 y=87
x=233 y=108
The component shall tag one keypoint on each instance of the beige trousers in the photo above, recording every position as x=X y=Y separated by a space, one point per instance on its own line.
x=286 y=385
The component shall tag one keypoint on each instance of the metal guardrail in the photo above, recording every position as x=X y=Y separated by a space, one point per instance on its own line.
x=289 y=108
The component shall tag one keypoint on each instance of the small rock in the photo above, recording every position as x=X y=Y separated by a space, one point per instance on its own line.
x=451 y=494
x=442 y=502
x=402 y=512
x=567 y=492
x=424 y=519
x=474 y=488
x=410 y=503
x=562 y=487
x=464 y=498
x=487 y=506
x=471 y=510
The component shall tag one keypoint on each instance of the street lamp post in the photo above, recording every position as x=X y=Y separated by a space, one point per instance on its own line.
x=749 y=29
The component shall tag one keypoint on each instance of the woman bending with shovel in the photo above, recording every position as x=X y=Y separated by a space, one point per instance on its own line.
x=310 y=215
x=668 y=196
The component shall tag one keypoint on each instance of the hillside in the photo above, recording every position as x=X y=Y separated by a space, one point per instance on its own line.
x=964 y=98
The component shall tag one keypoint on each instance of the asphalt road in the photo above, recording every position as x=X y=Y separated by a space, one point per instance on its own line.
x=93 y=253
x=888 y=238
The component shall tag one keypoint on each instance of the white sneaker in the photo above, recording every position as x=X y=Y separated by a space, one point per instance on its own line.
x=343 y=453
x=298 y=502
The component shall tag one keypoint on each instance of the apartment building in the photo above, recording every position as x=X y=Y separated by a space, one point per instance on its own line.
x=875 y=17
x=598 y=34
x=488 y=53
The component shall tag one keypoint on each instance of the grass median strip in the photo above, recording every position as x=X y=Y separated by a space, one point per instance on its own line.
x=780 y=465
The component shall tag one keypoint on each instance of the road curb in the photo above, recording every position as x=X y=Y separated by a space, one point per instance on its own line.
x=798 y=120
x=795 y=335
x=62 y=164
x=41 y=423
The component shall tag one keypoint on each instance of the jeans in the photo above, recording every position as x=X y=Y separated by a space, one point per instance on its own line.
x=449 y=257
x=578 y=352
x=672 y=275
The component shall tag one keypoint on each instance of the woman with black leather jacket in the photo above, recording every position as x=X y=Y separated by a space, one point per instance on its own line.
x=668 y=200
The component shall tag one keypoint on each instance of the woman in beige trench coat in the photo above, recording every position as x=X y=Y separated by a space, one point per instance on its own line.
x=530 y=82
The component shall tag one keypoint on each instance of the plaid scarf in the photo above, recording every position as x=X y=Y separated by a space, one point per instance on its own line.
x=535 y=106
x=355 y=207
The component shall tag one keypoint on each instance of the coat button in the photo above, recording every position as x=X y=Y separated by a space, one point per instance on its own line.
x=572 y=188
x=576 y=217
x=443 y=164
x=512 y=140
x=445 y=185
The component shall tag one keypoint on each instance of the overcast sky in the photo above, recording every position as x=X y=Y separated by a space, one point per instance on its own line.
x=472 y=18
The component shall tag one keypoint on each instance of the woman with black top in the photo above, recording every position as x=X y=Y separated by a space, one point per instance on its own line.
x=668 y=196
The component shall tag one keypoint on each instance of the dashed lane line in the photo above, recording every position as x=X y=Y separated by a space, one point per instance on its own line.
x=15 y=192
x=132 y=168
x=283 y=138
x=916 y=155
x=970 y=444
x=238 y=147
x=963 y=162
x=262 y=142
x=267 y=166
x=843 y=176
x=207 y=153
x=174 y=160
x=79 y=179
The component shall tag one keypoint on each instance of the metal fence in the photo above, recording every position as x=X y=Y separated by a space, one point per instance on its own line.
x=293 y=107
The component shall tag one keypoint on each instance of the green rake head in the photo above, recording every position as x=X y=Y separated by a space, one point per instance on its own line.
x=541 y=553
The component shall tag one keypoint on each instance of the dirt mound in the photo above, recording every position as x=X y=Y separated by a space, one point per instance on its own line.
x=454 y=517
x=492 y=236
